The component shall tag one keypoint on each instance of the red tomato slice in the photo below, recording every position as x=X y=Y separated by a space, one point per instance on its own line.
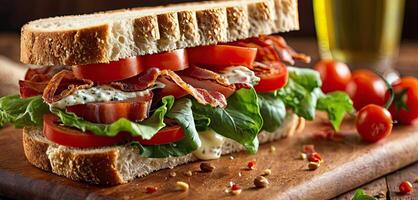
x=173 y=60
x=108 y=72
x=164 y=136
x=221 y=56
x=75 y=138
x=272 y=77
x=108 y=112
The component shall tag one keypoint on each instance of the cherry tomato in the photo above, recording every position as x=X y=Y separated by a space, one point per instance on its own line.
x=174 y=60
x=272 y=77
x=365 y=87
x=108 y=72
x=334 y=75
x=406 y=187
x=164 y=136
x=221 y=56
x=75 y=138
x=108 y=112
x=373 y=123
x=404 y=109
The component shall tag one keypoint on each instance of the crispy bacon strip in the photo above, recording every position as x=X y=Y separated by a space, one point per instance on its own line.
x=63 y=84
x=213 y=98
x=204 y=74
x=273 y=48
x=36 y=79
x=140 y=82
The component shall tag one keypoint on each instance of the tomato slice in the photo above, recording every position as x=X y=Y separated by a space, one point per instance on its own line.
x=108 y=72
x=136 y=109
x=273 y=76
x=164 y=136
x=173 y=60
x=221 y=56
x=75 y=138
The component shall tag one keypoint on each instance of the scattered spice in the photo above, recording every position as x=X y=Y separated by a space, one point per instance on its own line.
x=314 y=157
x=188 y=173
x=303 y=156
x=266 y=172
x=150 y=189
x=272 y=148
x=251 y=165
x=173 y=174
x=207 y=167
x=261 y=182
x=380 y=195
x=405 y=187
x=313 y=165
x=182 y=186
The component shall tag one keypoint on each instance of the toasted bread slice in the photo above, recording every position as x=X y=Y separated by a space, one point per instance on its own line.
x=119 y=164
x=113 y=35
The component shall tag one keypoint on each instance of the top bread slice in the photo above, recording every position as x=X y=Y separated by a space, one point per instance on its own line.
x=113 y=35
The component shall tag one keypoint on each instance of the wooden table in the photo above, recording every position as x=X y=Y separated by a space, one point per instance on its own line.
x=407 y=65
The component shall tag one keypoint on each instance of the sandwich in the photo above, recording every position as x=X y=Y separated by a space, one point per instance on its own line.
x=116 y=95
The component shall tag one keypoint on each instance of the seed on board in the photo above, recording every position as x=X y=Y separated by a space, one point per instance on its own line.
x=182 y=186
x=207 y=167
x=313 y=165
x=188 y=173
x=272 y=148
x=261 y=182
x=266 y=172
x=231 y=158
x=150 y=189
x=303 y=156
x=236 y=192
x=173 y=174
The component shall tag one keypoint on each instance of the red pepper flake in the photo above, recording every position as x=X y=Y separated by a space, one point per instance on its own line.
x=308 y=149
x=251 y=165
x=150 y=189
x=235 y=187
x=328 y=134
x=314 y=157
x=405 y=187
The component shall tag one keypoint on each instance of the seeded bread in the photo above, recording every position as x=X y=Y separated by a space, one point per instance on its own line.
x=118 y=164
x=113 y=35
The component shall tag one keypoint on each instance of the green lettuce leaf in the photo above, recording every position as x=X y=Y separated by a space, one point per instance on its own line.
x=335 y=104
x=361 y=195
x=303 y=95
x=145 y=129
x=240 y=120
x=272 y=109
x=22 y=112
x=182 y=113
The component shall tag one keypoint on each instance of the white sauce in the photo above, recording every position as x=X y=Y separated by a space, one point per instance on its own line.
x=240 y=74
x=211 y=147
x=100 y=94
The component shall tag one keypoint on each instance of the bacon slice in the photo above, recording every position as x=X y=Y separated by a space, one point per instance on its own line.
x=63 y=84
x=213 y=98
x=273 y=48
x=137 y=83
x=36 y=79
x=209 y=80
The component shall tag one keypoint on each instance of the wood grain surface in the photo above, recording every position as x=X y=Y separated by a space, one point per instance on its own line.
x=348 y=164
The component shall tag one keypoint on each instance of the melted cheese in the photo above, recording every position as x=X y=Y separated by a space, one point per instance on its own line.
x=100 y=94
x=211 y=147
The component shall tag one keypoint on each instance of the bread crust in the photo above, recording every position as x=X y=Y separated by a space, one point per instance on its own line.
x=118 y=164
x=152 y=30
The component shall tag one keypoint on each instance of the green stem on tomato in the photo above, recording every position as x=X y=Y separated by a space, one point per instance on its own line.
x=390 y=89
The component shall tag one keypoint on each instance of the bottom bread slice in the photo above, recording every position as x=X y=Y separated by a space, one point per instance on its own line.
x=119 y=164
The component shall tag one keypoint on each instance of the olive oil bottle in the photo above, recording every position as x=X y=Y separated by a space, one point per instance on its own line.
x=362 y=33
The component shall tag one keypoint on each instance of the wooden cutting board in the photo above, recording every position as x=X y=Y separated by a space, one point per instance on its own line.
x=348 y=164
